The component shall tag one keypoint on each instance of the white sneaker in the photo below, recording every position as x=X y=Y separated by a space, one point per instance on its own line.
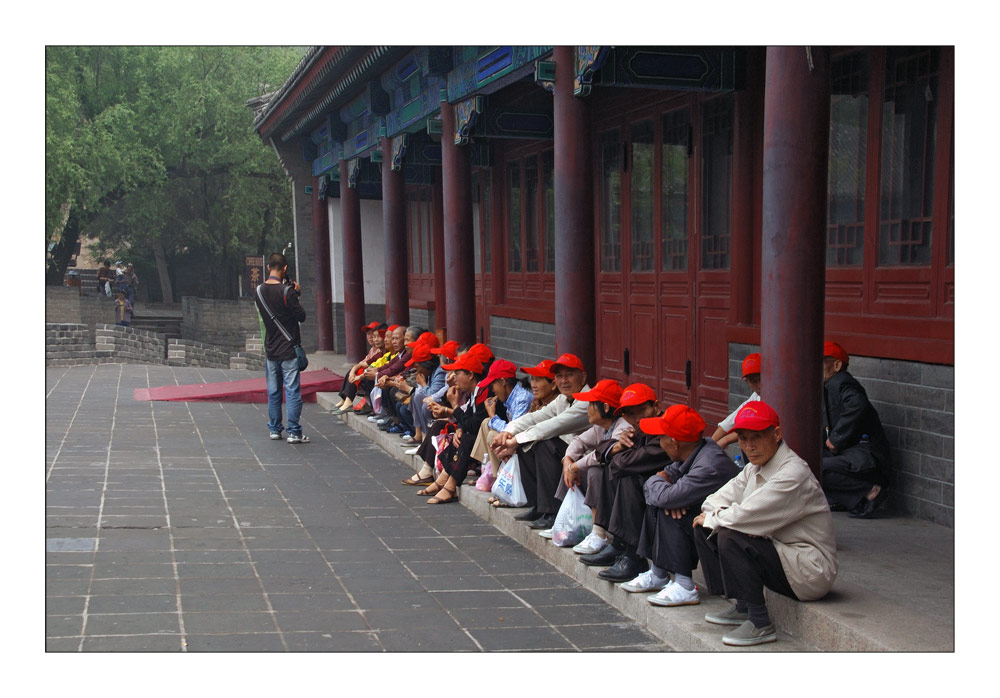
x=647 y=581
x=675 y=595
x=546 y=533
x=412 y=451
x=372 y=418
x=593 y=543
x=275 y=436
x=297 y=439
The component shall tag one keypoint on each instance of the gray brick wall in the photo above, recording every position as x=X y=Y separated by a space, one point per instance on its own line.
x=186 y=352
x=64 y=304
x=916 y=403
x=223 y=323
x=115 y=344
x=423 y=318
x=68 y=344
x=521 y=341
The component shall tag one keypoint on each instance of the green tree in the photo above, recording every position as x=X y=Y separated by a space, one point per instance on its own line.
x=151 y=151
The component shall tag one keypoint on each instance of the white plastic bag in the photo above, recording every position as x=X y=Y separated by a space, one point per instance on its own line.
x=508 y=484
x=574 y=520
x=376 y=396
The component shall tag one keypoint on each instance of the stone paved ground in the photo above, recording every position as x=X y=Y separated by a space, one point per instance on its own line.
x=182 y=527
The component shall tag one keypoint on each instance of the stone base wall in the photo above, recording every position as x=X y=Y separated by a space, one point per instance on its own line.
x=373 y=313
x=222 y=323
x=423 y=318
x=115 y=344
x=916 y=403
x=521 y=341
x=65 y=304
x=185 y=352
x=253 y=359
x=68 y=344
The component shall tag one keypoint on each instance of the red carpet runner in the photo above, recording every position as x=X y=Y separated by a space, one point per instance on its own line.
x=252 y=390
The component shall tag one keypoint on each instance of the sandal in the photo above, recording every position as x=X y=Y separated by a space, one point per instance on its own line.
x=425 y=493
x=500 y=504
x=418 y=481
x=452 y=498
x=409 y=440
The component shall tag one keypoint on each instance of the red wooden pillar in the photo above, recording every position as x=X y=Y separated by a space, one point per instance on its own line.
x=354 y=279
x=437 y=249
x=397 y=282
x=321 y=262
x=459 y=256
x=576 y=310
x=796 y=138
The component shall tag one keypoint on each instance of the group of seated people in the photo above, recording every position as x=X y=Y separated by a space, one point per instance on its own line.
x=664 y=497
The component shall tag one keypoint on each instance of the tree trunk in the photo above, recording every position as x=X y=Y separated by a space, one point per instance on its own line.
x=164 y=273
x=63 y=251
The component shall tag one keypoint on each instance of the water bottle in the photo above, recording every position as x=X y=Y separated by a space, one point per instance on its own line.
x=738 y=460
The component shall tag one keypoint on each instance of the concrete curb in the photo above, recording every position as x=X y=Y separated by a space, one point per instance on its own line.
x=850 y=619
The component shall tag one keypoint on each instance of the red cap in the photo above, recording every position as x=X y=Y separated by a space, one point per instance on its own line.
x=607 y=390
x=836 y=351
x=637 y=394
x=568 y=360
x=448 y=349
x=421 y=353
x=370 y=326
x=390 y=328
x=381 y=333
x=428 y=338
x=679 y=422
x=466 y=362
x=755 y=416
x=542 y=370
x=481 y=352
x=501 y=368
x=751 y=364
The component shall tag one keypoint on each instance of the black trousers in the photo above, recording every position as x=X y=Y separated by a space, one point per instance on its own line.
x=541 y=471
x=843 y=484
x=462 y=461
x=669 y=542
x=738 y=566
x=628 y=509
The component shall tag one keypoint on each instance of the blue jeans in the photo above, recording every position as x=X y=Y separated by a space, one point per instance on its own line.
x=283 y=374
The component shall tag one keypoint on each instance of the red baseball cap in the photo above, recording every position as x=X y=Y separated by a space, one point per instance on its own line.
x=679 y=422
x=390 y=328
x=636 y=394
x=421 y=353
x=448 y=349
x=607 y=390
x=542 y=370
x=568 y=360
x=428 y=338
x=466 y=362
x=501 y=368
x=481 y=352
x=755 y=416
x=370 y=326
x=751 y=364
x=836 y=351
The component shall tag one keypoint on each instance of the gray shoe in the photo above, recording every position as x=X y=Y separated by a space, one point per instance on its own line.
x=728 y=617
x=297 y=439
x=747 y=635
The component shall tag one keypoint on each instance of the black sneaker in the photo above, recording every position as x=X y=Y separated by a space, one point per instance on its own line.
x=529 y=515
x=543 y=522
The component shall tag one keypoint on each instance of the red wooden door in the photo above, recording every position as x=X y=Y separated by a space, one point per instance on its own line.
x=663 y=281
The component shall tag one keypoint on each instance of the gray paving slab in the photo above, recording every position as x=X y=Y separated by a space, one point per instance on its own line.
x=182 y=527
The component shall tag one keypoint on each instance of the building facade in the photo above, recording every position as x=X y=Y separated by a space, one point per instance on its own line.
x=655 y=210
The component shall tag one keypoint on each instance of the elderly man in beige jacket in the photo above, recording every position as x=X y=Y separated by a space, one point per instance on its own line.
x=770 y=526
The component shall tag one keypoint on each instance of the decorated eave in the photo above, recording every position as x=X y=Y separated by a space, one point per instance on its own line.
x=325 y=76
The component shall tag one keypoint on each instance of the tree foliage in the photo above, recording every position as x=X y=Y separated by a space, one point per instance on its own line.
x=151 y=149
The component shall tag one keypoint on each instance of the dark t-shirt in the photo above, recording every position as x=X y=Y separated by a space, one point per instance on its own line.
x=289 y=312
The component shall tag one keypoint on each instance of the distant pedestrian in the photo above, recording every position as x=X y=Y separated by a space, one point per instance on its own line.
x=131 y=283
x=105 y=277
x=123 y=311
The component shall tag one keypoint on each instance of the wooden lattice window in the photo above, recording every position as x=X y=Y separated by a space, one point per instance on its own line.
x=611 y=202
x=549 y=192
x=717 y=165
x=514 y=216
x=642 y=173
x=849 y=87
x=909 y=125
x=531 y=214
x=675 y=172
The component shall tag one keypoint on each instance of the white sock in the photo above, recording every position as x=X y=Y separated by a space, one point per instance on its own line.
x=600 y=532
x=685 y=582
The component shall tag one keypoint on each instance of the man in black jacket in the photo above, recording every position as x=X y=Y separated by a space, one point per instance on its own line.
x=855 y=450
x=282 y=364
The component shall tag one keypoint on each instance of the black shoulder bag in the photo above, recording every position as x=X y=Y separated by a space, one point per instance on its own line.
x=300 y=353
